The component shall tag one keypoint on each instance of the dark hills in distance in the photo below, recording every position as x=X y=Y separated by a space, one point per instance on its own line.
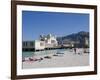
x=78 y=37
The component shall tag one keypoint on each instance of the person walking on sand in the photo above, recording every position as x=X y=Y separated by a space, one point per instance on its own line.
x=75 y=50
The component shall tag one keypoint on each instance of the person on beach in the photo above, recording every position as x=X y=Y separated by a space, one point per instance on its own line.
x=75 y=50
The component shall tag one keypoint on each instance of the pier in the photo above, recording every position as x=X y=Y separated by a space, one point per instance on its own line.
x=49 y=48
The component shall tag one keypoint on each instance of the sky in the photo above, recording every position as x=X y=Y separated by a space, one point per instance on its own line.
x=35 y=23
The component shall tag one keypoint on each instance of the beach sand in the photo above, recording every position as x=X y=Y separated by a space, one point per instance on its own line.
x=68 y=59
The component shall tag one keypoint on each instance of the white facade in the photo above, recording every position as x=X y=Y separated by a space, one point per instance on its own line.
x=50 y=41
x=39 y=45
x=86 y=41
x=47 y=41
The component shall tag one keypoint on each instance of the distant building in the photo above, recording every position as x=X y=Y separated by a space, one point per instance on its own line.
x=45 y=41
x=50 y=40
x=67 y=43
x=28 y=44
x=87 y=42
x=39 y=45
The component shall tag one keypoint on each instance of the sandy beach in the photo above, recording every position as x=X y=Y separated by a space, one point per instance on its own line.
x=68 y=59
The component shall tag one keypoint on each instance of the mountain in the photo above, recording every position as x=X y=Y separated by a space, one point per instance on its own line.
x=78 y=38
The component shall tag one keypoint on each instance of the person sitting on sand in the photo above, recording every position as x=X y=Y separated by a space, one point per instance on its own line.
x=40 y=59
x=30 y=59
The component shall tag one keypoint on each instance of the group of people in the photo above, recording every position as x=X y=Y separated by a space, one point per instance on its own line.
x=78 y=51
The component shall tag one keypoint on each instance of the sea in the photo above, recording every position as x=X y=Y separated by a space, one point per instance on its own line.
x=45 y=52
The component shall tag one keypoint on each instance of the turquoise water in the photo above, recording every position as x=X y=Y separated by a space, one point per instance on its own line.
x=30 y=54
